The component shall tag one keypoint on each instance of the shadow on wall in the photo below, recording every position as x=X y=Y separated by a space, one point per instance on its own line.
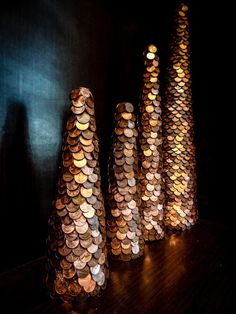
x=21 y=222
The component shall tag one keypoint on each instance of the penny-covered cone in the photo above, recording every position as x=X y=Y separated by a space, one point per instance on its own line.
x=76 y=245
x=124 y=230
x=150 y=149
x=178 y=138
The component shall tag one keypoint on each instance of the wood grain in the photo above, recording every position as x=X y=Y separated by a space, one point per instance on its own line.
x=190 y=272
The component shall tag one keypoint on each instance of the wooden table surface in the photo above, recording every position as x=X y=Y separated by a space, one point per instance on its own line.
x=190 y=272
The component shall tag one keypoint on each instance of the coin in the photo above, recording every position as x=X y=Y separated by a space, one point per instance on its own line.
x=83 y=118
x=78 y=155
x=90 y=286
x=150 y=55
x=74 y=289
x=80 y=178
x=86 y=142
x=86 y=192
x=59 y=205
x=80 y=163
x=78 y=264
x=77 y=200
x=90 y=213
x=126 y=115
x=67 y=228
x=69 y=273
x=152 y=48
x=60 y=286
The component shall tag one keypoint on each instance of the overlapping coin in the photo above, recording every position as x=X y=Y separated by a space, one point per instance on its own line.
x=179 y=149
x=77 y=253
x=150 y=149
x=124 y=228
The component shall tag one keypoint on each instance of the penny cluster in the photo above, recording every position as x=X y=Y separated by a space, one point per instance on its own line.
x=179 y=149
x=124 y=229
x=77 y=256
x=150 y=152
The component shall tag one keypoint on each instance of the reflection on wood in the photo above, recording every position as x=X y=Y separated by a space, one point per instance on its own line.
x=191 y=272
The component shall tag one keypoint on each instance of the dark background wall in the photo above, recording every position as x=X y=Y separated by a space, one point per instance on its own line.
x=48 y=47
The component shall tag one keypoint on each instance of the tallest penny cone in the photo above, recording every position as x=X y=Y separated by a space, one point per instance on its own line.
x=179 y=149
x=77 y=257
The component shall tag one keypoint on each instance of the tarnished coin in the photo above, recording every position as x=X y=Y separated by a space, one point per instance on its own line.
x=60 y=286
x=90 y=286
x=74 y=288
x=83 y=118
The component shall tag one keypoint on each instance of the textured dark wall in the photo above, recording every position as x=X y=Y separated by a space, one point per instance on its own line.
x=49 y=47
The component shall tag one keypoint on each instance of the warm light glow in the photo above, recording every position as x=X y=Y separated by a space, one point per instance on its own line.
x=173 y=240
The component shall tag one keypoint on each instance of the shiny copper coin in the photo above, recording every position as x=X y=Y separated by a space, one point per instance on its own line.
x=90 y=286
x=80 y=163
x=78 y=155
x=86 y=142
x=126 y=115
x=85 y=280
x=80 y=178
